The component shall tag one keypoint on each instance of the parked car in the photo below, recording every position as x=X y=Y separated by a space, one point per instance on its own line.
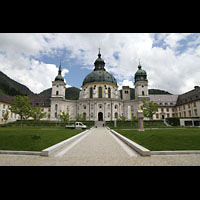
x=76 y=125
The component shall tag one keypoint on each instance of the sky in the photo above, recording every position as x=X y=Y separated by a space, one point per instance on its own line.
x=171 y=60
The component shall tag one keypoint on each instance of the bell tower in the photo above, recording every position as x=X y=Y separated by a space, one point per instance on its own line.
x=58 y=86
x=141 y=84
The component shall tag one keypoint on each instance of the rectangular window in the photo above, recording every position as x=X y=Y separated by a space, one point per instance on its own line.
x=91 y=92
x=109 y=93
x=100 y=92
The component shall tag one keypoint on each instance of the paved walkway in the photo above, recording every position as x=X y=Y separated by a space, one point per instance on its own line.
x=98 y=148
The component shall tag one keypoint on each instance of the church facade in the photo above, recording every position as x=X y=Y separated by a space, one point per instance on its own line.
x=99 y=98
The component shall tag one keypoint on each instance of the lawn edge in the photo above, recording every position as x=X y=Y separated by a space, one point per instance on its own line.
x=48 y=151
x=140 y=149
x=146 y=152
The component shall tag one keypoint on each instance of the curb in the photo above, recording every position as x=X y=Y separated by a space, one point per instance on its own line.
x=48 y=151
x=174 y=152
x=20 y=152
x=140 y=149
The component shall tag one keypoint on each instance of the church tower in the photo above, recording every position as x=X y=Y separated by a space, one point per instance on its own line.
x=58 y=86
x=141 y=84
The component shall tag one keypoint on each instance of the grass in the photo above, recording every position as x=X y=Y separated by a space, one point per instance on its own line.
x=33 y=138
x=166 y=139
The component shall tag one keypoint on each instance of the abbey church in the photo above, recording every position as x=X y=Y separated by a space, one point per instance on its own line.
x=100 y=99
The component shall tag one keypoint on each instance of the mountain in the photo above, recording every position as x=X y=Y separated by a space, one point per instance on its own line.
x=10 y=87
x=71 y=93
x=157 y=91
x=151 y=91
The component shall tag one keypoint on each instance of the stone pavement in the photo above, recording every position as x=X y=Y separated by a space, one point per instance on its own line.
x=98 y=148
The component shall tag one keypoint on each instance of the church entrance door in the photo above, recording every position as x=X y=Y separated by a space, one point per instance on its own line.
x=100 y=116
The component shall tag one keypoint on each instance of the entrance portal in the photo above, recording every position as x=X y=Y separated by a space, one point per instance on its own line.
x=100 y=116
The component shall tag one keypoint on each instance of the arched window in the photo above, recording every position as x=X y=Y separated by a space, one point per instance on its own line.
x=116 y=115
x=57 y=92
x=91 y=92
x=109 y=93
x=142 y=93
x=100 y=92
x=56 y=107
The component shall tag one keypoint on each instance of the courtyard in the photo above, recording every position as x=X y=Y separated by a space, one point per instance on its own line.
x=99 y=147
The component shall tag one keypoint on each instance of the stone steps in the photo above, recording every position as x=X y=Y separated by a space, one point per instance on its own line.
x=100 y=123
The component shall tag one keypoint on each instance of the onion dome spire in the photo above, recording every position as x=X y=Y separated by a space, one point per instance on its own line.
x=141 y=74
x=59 y=76
x=139 y=66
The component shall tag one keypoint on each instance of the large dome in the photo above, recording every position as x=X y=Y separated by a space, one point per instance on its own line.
x=99 y=76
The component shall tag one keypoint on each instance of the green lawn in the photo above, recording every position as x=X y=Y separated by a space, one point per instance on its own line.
x=33 y=138
x=166 y=139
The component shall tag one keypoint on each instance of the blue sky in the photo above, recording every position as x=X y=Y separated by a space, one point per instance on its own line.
x=171 y=60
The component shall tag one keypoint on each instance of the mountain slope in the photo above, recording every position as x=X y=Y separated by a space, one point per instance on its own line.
x=71 y=93
x=10 y=87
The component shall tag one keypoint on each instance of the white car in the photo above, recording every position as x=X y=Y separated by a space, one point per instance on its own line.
x=77 y=125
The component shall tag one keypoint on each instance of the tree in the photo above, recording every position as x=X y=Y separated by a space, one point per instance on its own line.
x=22 y=107
x=121 y=118
x=36 y=113
x=149 y=109
x=5 y=116
x=65 y=117
x=78 y=117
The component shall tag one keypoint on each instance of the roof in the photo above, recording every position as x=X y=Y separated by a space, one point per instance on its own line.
x=99 y=76
x=164 y=100
x=40 y=101
x=190 y=96
x=35 y=101
x=6 y=99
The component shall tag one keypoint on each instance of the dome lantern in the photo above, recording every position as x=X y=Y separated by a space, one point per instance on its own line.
x=99 y=63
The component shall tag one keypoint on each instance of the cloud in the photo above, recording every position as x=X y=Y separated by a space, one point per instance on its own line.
x=126 y=83
x=170 y=59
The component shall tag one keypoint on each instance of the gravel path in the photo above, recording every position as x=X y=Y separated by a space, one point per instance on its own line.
x=99 y=148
